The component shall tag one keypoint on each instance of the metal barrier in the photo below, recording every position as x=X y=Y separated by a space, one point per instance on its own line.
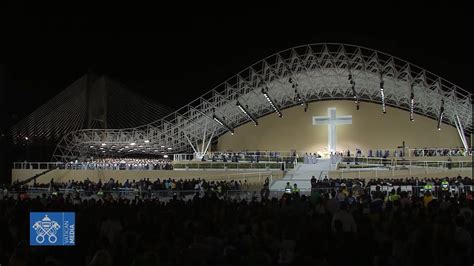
x=242 y=155
x=434 y=152
x=233 y=165
x=87 y=166
x=391 y=168
x=36 y=165
x=419 y=190
x=242 y=165
x=371 y=161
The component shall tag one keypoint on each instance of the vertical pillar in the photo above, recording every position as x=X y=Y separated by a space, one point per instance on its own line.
x=96 y=101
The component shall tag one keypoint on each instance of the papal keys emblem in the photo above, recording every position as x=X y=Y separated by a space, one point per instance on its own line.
x=46 y=227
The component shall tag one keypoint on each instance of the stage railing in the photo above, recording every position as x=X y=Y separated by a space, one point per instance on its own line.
x=241 y=165
x=393 y=171
x=88 y=166
x=439 y=152
x=234 y=165
x=358 y=162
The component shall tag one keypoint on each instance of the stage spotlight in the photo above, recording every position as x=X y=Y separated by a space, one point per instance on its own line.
x=275 y=108
x=383 y=96
x=412 y=104
x=104 y=144
x=441 y=114
x=244 y=110
x=146 y=141
x=298 y=97
x=133 y=144
x=222 y=123
x=354 y=93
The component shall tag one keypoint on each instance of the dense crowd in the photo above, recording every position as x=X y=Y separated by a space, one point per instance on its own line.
x=121 y=164
x=398 y=153
x=373 y=228
x=440 y=152
x=142 y=185
x=412 y=181
x=251 y=156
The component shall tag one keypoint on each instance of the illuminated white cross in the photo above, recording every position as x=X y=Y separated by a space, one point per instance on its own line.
x=332 y=120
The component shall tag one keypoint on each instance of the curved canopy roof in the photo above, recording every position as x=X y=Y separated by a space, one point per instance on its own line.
x=318 y=71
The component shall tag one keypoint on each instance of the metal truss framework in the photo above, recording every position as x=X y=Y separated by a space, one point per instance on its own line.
x=321 y=72
x=89 y=102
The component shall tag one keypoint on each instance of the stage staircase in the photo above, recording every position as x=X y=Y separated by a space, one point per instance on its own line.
x=302 y=174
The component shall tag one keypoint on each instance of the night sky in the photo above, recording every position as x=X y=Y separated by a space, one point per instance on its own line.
x=175 y=52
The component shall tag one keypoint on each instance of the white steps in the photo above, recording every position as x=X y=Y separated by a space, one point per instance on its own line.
x=302 y=175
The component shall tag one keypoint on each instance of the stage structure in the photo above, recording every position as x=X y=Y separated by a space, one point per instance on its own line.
x=91 y=102
x=296 y=76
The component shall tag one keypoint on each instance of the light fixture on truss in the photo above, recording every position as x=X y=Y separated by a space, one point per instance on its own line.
x=412 y=104
x=246 y=112
x=441 y=114
x=382 y=94
x=275 y=108
x=222 y=123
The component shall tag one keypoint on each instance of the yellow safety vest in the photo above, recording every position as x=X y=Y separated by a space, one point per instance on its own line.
x=445 y=185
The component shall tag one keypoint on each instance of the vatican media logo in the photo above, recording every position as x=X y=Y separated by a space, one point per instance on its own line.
x=52 y=229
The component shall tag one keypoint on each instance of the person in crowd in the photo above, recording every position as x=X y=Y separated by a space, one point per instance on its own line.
x=345 y=218
x=427 y=198
x=295 y=191
x=265 y=192
x=288 y=188
x=313 y=182
x=393 y=196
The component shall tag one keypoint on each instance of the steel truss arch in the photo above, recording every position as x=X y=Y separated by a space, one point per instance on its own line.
x=321 y=72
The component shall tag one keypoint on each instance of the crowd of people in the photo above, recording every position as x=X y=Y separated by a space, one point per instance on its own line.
x=412 y=181
x=121 y=164
x=143 y=186
x=311 y=158
x=369 y=228
x=420 y=152
x=250 y=156
x=398 y=153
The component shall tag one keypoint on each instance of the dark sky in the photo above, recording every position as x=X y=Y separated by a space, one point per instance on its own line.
x=175 y=52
